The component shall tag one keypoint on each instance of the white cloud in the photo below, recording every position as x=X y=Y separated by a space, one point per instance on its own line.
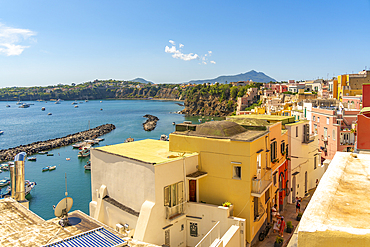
x=177 y=53
x=10 y=39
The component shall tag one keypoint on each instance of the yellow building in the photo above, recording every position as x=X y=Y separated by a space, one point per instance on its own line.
x=337 y=212
x=350 y=84
x=239 y=164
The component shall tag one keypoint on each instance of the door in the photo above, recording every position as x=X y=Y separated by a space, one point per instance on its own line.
x=305 y=182
x=193 y=190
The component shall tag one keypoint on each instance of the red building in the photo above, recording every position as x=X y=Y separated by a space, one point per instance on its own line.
x=363 y=120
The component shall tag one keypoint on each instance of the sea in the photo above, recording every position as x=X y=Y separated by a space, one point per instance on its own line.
x=26 y=125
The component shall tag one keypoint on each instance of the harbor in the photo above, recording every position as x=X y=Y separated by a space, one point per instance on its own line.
x=23 y=126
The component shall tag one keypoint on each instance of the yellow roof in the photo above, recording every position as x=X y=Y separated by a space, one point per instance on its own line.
x=148 y=151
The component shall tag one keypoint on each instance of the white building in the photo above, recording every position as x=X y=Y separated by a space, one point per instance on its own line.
x=304 y=167
x=144 y=185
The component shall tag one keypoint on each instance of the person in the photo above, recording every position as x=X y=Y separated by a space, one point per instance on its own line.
x=274 y=214
x=282 y=226
x=298 y=204
x=277 y=224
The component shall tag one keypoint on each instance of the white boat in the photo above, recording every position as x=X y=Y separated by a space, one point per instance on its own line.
x=88 y=165
x=57 y=102
x=33 y=158
x=76 y=106
x=24 y=105
x=84 y=153
x=163 y=138
x=42 y=108
x=52 y=168
x=1 y=132
x=79 y=145
x=19 y=103
x=4 y=182
x=50 y=113
x=7 y=105
x=29 y=186
x=99 y=139
x=4 y=167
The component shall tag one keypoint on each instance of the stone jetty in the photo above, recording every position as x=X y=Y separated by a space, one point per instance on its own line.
x=9 y=154
x=150 y=123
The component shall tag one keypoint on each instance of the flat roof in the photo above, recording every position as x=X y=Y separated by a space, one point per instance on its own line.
x=340 y=203
x=22 y=227
x=148 y=151
x=266 y=117
x=298 y=122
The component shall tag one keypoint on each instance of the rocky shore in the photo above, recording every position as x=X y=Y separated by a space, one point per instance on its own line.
x=35 y=147
x=150 y=123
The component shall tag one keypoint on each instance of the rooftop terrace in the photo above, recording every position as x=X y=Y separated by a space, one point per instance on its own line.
x=148 y=151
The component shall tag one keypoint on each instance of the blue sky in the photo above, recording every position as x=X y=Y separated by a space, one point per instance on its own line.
x=51 y=42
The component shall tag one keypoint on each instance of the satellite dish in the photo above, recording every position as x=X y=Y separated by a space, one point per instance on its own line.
x=63 y=207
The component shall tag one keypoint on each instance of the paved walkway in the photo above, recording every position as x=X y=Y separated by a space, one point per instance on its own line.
x=289 y=215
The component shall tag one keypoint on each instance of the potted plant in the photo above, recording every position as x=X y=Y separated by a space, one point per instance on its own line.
x=299 y=216
x=289 y=227
x=279 y=241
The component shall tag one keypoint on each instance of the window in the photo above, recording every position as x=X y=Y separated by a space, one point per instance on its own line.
x=314 y=162
x=255 y=208
x=333 y=135
x=296 y=131
x=273 y=151
x=315 y=128
x=282 y=148
x=258 y=161
x=267 y=195
x=237 y=172
x=173 y=194
x=314 y=118
x=274 y=178
x=327 y=121
x=325 y=133
x=318 y=119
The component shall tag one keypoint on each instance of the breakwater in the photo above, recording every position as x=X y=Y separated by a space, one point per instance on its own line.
x=35 y=147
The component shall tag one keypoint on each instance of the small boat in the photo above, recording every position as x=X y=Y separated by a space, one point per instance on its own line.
x=50 y=154
x=42 y=108
x=4 y=167
x=52 y=168
x=24 y=105
x=1 y=132
x=50 y=113
x=78 y=145
x=68 y=159
x=19 y=103
x=7 y=105
x=163 y=138
x=129 y=140
x=99 y=139
x=76 y=106
x=86 y=100
x=43 y=152
x=46 y=168
x=173 y=123
x=101 y=101
x=4 y=182
x=57 y=102
x=92 y=142
x=74 y=103
x=84 y=153
x=33 y=158
x=88 y=165
x=29 y=186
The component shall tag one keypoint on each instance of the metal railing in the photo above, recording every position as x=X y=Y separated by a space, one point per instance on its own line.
x=174 y=211
x=211 y=236
x=259 y=185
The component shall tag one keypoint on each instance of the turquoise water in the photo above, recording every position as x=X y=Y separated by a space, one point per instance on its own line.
x=27 y=125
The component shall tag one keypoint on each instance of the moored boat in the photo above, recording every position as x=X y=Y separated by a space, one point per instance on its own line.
x=7 y=105
x=88 y=165
x=46 y=168
x=43 y=152
x=52 y=168
x=1 y=132
x=84 y=153
x=24 y=105
x=50 y=154
x=33 y=158
x=42 y=108
x=4 y=182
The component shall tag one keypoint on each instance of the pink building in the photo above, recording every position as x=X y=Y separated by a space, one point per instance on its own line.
x=353 y=102
x=248 y=99
x=334 y=130
x=363 y=120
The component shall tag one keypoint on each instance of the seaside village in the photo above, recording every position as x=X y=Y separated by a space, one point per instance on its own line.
x=293 y=171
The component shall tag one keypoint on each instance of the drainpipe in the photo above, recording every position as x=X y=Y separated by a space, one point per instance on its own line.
x=12 y=179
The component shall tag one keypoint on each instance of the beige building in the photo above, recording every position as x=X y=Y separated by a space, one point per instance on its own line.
x=146 y=186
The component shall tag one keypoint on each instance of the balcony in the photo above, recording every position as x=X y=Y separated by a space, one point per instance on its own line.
x=259 y=186
x=175 y=211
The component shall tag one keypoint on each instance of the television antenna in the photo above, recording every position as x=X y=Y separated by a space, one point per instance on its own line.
x=63 y=207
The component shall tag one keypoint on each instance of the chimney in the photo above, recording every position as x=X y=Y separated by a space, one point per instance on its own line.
x=20 y=192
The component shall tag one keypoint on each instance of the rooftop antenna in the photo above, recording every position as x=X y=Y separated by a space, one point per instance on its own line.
x=63 y=207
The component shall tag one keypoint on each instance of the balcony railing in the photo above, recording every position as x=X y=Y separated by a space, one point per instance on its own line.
x=211 y=237
x=174 y=211
x=259 y=186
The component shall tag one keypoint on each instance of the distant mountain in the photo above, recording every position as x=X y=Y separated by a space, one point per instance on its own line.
x=141 y=80
x=251 y=75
